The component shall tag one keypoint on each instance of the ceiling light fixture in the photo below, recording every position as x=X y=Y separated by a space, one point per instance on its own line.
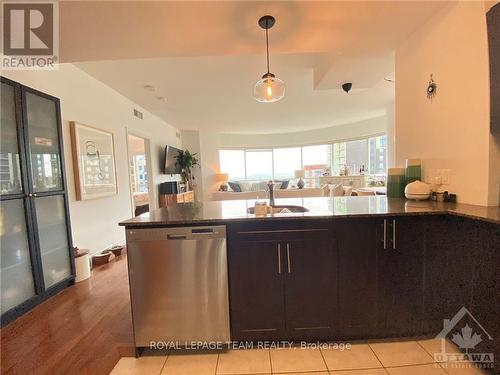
x=269 y=89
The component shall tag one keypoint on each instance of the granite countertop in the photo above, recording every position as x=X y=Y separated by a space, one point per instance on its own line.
x=324 y=207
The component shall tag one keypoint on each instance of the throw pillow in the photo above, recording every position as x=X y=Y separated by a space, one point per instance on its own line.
x=347 y=191
x=326 y=190
x=284 y=184
x=337 y=190
x=235 y=186
x=262 y=185
x=245 y=186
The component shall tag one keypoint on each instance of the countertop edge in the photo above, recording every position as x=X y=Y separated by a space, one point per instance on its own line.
x=302 y=217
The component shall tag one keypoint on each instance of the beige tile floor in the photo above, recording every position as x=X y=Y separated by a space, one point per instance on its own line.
x=391 y=358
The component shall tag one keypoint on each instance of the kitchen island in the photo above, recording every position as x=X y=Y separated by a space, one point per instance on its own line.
x=320 y=207
x=352 y=267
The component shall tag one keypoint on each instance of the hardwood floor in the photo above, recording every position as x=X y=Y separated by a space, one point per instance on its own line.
x=83 y=330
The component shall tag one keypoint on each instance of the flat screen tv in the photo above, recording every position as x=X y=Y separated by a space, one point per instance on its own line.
x=171 y=166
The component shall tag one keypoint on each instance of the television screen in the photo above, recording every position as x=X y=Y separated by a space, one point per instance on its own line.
x=171 y=166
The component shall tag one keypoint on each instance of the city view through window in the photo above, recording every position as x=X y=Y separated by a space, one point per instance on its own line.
x=367 y=156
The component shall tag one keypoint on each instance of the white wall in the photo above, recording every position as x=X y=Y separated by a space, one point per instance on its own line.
x=391 y=135
x=353 y=130
x=86 y=100
x=191 y=141
x=452 y=130
x=209 y=148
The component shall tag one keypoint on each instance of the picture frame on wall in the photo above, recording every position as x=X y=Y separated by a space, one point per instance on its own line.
x=93 y=162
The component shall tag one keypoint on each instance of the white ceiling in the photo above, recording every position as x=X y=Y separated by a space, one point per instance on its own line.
x=204 y=58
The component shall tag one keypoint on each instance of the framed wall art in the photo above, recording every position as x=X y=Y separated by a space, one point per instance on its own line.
x=93 y=161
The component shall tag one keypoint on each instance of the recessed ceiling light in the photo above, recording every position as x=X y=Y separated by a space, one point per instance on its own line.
x=149 y=88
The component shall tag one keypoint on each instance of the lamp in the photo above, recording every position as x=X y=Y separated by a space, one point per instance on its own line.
x=270 y=88
x=300 y=174
x=222 y=177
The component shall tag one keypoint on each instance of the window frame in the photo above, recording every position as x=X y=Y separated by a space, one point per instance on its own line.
x=258 y=150
x=301 y=146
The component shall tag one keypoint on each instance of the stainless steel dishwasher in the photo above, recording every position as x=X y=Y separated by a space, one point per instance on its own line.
x=178 y=285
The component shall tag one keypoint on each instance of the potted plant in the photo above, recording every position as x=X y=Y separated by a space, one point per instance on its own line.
x=186 y=161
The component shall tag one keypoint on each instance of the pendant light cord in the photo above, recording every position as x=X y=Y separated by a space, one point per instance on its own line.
x=267 y=45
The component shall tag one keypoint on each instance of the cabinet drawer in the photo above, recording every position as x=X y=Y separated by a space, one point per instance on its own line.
x=278 y=230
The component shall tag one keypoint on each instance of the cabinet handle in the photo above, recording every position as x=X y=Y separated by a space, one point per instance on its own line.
x=288 y=257
x=279 y=258
x=394 y=234
x=385 y=234
x=176 y=237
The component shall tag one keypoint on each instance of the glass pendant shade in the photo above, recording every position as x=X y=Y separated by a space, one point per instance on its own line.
x=269 y=89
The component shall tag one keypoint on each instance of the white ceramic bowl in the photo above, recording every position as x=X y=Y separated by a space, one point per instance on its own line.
x=417 y=190
x=417 y=197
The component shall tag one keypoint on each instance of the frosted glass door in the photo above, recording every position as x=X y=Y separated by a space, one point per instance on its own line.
x=10 y=174
x=53 y=238
x=16 y=274
x=45 y=158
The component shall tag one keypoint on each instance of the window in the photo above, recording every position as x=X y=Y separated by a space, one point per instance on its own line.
x=259 y=165
x=232 y=162
x=339 y=157
x=377 y=154
x=315 y=161
x=286 y=162
x=138 y=174
x=356 y=155
x=281 y=163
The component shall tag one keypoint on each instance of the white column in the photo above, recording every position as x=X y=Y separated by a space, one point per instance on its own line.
x=391 y=135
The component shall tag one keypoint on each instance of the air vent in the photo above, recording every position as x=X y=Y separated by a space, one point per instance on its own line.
x=138 y=113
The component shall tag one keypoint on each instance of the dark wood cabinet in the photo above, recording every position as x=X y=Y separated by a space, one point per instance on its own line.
x=493 y=19
x=380 y=277
x=281 y=281
x=486 y=289
x=362 y=278
x=358 y=242
x=448 y=269
x=400 y=277
x=256 y=290
x=462 y=260
x=310 y=290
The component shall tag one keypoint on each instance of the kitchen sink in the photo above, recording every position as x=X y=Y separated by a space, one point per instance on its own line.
x=282 y=209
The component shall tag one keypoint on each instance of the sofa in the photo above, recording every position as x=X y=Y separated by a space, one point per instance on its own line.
x=238 y=195
x=328 y=191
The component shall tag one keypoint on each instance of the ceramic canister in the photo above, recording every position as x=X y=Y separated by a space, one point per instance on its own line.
x=396 y=182
x=413 y=170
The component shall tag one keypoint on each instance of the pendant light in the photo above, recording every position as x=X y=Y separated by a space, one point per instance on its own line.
x=269 y=89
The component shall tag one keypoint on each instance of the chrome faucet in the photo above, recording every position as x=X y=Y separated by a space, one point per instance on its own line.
x=270 y=187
